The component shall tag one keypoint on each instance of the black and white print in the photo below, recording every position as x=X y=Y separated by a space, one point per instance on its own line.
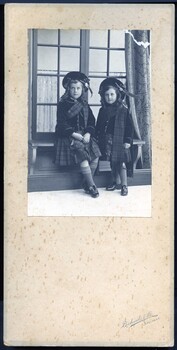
x=55 y=190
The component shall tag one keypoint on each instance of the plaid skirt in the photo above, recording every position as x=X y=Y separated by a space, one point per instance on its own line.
x=67 y=155
x=128 y=160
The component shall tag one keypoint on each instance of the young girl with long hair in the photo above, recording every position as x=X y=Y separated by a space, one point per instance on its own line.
x=75 y=129
x=114 y=132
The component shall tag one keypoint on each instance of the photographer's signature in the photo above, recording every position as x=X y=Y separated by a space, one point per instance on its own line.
x=145 y=319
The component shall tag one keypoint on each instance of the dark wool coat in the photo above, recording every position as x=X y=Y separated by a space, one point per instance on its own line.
x=65 y=153
x=108 y=140
x=100 y=131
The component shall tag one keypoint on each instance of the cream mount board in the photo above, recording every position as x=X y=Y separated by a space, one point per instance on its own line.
x=88 y=280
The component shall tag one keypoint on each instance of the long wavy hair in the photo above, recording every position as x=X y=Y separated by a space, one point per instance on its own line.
x=66 y=95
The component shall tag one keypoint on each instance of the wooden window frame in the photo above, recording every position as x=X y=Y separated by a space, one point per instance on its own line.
x=84 y=67
x=47 y=136
x=108 y=49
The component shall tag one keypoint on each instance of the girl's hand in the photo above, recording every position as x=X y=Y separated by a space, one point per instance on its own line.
x=86 y=138
x=77 y=136
x=126 y=145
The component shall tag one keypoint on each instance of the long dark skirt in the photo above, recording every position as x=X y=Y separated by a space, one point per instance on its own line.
x=68 y=155
x=127 y=160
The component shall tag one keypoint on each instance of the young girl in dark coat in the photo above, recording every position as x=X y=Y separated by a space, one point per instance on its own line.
x=75 y=129
x=114 y=132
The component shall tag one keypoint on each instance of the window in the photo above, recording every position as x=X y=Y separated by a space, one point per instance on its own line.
x=106 y=58
x=97 y=53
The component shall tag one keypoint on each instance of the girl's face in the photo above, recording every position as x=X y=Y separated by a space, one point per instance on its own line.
x=75 y=90
x=110 y=95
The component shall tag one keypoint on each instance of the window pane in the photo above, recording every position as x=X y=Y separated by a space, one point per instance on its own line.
x=97 y=62
x=47 y=60
x=46 y=118
x=95 y=110
x=94 y=84
x=117 y=38
x=70 y=37
x=46 y=89
x=69 y=60
x=117 y=62
x=99 y=38
x=47 y=36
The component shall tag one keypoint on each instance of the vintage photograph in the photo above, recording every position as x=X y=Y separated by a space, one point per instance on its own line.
x=89 y=123
x=89 y=175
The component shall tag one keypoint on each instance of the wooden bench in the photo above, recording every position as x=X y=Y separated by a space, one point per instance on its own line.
x=33 y=146
x=139 y=144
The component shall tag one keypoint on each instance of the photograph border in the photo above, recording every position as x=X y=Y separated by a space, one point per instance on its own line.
x=168 y=194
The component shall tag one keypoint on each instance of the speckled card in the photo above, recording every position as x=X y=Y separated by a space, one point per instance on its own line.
x=89 y=279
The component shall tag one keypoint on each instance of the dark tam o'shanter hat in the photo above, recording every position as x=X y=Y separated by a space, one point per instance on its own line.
x=116 y=83
x=76 y=76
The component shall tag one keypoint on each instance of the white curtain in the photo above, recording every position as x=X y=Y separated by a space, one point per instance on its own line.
x=46 y=93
